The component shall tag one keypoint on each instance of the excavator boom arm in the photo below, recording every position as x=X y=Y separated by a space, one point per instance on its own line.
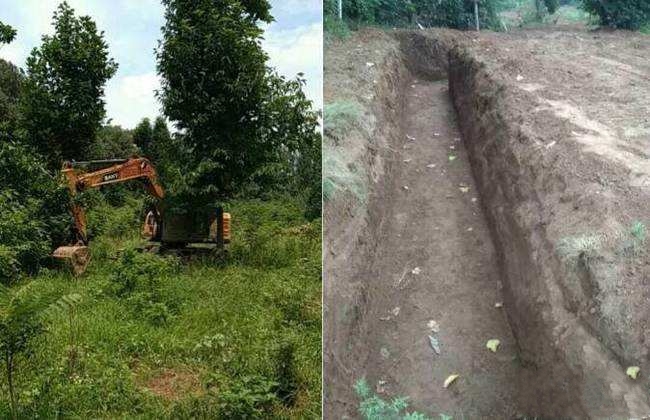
x=123 y=171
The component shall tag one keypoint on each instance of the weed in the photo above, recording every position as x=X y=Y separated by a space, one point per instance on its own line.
x=638 y=231
x=250 y=397
x=340 y=116
x=339 y=176
x=285 y=373
x=372 y=407
x=576 y=248
x=635 y=239
x=140 y=271
x=226 y=321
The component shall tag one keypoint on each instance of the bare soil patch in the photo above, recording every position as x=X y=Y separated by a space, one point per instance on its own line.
x=173 y=384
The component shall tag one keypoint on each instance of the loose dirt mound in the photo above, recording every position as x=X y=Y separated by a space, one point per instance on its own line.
x=557 y=132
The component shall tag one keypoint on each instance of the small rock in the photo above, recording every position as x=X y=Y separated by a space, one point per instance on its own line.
x=395 y=311
x=498 y=305
x=406 y=187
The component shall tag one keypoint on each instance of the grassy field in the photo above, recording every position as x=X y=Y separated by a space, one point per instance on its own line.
x=156 y=337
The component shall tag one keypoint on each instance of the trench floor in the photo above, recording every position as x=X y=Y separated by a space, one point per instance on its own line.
x=435 y=275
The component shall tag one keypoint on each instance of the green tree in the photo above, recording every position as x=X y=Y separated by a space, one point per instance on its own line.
x=11 y=82
x=624 y=14
x=214 y=83
x=112 y=142
x=7 y=33
x=62 y=105
x=142 y=134
x=448 y=13
x=292 y=123
x=160 y=140
x=34 y=215
x=241 y=125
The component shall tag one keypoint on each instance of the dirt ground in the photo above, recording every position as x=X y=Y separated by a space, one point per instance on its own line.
x=508 y=217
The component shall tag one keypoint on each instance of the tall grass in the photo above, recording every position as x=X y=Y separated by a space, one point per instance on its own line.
x=157 y=337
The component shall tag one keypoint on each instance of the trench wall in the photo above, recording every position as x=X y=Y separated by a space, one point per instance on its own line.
x=578 y=375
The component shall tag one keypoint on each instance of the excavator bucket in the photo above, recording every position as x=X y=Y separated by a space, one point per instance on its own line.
x=76 y=257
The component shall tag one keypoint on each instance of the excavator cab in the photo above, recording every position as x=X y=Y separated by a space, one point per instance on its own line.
x=205 y=226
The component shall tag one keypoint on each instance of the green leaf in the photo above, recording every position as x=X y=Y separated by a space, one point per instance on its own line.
x=633 y=371
x=493 y=345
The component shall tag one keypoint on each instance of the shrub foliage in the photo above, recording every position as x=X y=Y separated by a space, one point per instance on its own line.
x=624 y=14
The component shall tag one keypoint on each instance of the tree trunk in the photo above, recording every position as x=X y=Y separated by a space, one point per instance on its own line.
x=538 y=6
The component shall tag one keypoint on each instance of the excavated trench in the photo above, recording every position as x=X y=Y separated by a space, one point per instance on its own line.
x=455 y=248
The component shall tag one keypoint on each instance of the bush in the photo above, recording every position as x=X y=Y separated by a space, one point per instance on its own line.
x=34 y=214
x=335 y=28
x=552 y=5
x=449 y=13
x=623 y=14
x=340 y=117
x=141 y=271
x=262 y=237
x=251 y=397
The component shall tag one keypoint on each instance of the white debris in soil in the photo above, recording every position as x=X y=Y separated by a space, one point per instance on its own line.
x=431 y=165
x=381 y=387
x=416 y=271
x=406 y=187
x=407 y=160
x=410 y=138
x=370 y=64
x=498 y=305
x=384 y=353
x=434 y=343
x=433 y=326
x=520 y=77
x=395 y=311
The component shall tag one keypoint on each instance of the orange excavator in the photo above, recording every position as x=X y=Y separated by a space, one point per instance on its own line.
x=170 y=230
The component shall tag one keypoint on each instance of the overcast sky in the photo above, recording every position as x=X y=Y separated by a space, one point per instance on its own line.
x=132 y=27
